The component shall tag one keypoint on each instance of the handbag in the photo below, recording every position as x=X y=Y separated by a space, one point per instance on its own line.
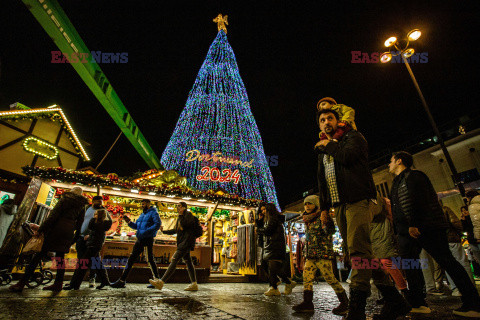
x=33 y=245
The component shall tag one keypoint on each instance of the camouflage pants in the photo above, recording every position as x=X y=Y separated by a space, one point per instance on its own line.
x=325 y=267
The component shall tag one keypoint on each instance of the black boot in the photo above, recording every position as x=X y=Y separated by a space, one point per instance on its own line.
x=103 y=284
x=307 y=304
x=357 y=304
x=118 y=284
x=343 y=306
x=395 y=304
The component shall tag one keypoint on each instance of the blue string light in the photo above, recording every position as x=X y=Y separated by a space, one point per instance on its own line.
x=217 y=121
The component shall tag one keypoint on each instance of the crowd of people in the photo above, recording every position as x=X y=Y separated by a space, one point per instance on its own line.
x=410 y=224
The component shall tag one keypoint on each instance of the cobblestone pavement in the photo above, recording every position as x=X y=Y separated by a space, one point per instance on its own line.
x=212 y=301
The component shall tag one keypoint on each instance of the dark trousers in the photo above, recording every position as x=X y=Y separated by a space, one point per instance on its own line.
x=185 y=256
x=81 y=247
x=275 y=271
x=138 y=248
x=36 y=259
x=79 y=274
x=436 y=244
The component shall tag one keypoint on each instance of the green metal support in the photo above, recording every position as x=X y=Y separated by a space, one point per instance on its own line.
x=57 y=25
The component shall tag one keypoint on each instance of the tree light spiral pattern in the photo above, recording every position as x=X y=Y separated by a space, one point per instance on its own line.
x=217 y=118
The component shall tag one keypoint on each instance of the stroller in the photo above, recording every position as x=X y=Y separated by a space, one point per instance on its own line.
x=41 y=275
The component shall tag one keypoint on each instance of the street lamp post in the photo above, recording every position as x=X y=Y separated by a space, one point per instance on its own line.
x=406 y=52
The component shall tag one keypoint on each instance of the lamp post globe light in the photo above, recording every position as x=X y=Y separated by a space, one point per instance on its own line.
x=402 y=48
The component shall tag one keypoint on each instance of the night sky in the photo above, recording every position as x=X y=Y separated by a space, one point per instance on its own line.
x=289 y=56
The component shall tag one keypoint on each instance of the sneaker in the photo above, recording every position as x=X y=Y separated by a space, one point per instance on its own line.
x=467 y=312
x=192 y=287
x=272 y=292
x=157 y=283
x=91 y=283
x=289 y=287
x=456 y=293
x=118 y=284
x=435 y=292
x=421 y=309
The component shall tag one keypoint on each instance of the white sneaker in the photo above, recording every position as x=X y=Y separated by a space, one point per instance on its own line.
x=192 y=287
x=421 y=309
x=272 y=292
x=289 y=287
x=467 y=313
x=157 y=283
x=456 y=293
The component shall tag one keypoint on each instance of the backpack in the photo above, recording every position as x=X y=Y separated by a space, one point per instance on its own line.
x=197 y=230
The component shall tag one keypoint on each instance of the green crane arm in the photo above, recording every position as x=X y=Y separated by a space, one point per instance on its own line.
x=57 y=25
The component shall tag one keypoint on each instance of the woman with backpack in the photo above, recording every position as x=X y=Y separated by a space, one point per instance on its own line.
x=187 y=230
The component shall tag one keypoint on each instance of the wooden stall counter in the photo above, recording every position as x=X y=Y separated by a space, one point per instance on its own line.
x=162 y=253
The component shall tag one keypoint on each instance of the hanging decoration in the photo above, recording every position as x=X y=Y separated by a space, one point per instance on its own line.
x=40 y=148
x=112 y=180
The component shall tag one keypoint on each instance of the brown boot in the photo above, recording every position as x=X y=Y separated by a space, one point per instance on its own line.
x=18 y=287
x=343 y=306
x=57 y=286
x=307 y=304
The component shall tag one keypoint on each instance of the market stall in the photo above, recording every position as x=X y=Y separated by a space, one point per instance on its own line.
x=122 y=197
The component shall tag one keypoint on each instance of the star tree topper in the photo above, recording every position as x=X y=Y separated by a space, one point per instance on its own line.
x=221 y=21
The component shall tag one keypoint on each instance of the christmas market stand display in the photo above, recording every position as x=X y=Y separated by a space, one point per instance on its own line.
x=164 y=183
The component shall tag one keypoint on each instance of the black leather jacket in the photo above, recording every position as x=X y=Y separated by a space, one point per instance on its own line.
x=273 y=233
x=354 y=179
x=415 y=203
x=96 y=232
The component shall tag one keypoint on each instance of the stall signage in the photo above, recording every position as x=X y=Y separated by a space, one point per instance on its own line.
x=45 y=195
x=214 y=174
x=194 y=155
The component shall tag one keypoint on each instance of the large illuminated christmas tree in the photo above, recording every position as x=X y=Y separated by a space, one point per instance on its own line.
x=216 y=142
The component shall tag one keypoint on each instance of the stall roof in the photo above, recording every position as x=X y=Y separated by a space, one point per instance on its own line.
x=52 y=111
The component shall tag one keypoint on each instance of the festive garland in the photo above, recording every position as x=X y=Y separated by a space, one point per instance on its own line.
x=112 y=180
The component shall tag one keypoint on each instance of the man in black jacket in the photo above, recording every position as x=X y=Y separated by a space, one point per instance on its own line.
x=420 y=223
x=346 y=184
x=184 y=229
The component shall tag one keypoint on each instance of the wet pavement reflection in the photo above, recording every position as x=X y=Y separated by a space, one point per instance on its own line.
x=212 y=301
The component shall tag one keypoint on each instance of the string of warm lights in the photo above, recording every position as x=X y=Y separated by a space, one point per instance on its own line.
x=49 y=110
x=217 y=119
x=40 y=143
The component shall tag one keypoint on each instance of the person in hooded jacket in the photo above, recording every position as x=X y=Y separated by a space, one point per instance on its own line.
x=147 y=226
x=319 y=255
x=473 y=200
x=64 y=221
x=270 y=227
x=95 y=238
x=185 y=231
x=384 y=244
